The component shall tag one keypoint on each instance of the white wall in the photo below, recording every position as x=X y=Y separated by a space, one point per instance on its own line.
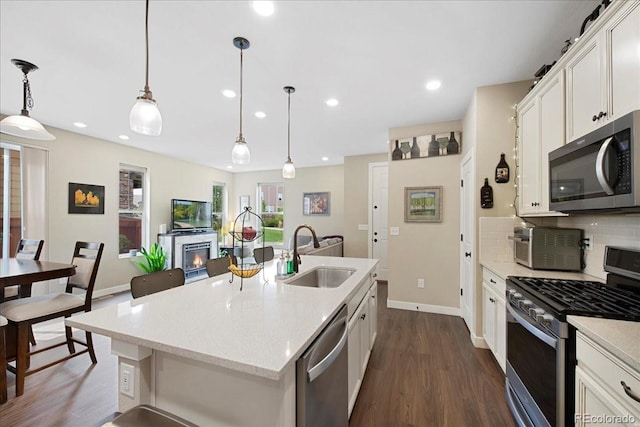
x=83 y=159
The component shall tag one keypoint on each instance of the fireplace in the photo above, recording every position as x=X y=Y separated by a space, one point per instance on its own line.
x=194 y=258
x=190 y=252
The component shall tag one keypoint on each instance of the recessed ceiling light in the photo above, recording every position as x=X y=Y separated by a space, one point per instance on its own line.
x=325 y=158
x=79 y=125
x=332 y=102
x=229 y=167
x=433 y=84
x=260 y=115
x=264 y=8
x=229 y=93
x=123 y=137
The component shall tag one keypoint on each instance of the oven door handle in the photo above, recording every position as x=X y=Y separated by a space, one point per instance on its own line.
x=550 y=341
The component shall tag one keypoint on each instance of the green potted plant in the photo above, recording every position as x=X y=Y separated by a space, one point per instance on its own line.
x=155 y=258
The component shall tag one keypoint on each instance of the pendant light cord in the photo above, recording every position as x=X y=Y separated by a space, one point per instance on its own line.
x=146 y=30
x=241 y=54
x=289 y=129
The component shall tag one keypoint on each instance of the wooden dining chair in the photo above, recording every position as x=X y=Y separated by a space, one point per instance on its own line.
x=263 y=254
x=27 y=249
x=156 y=282
x=22 y=313
x=218 y=266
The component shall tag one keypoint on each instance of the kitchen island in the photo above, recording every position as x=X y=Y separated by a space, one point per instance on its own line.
x=216 y=355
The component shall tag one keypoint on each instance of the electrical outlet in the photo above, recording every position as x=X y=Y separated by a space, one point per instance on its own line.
x=421 y=283
x=127 y=380
x=589 y=242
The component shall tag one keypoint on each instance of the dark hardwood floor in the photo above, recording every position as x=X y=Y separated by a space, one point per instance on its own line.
x=423 y=371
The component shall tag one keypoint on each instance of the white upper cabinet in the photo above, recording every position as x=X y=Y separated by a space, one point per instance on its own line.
x=603 y=76
x=541 y=130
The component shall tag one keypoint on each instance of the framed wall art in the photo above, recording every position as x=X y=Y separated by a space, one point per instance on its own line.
x=315 y=203
x=86 y=198
x=435 y=145
x=423 y=204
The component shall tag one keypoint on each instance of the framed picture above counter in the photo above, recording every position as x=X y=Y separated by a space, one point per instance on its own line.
x=423 y=204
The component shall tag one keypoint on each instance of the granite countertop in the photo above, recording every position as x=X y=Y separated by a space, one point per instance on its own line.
x=620 y=337
x=261 y=330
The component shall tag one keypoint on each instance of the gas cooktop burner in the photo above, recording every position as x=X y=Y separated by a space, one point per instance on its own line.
x=586 y=298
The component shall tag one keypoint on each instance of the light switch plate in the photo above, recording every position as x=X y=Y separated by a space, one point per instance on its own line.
x=363 y=227
x=394 y=231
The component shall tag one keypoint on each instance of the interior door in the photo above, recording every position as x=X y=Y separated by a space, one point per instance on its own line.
x=379 y=193
x=467 y=231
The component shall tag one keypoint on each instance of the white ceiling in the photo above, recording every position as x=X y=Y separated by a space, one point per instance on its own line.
x=374 y=56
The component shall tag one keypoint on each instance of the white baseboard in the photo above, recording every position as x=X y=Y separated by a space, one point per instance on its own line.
x=427 y=308
x=111 y=290
x=478 y=342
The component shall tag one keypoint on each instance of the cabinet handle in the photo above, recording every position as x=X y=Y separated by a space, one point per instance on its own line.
x=601 y=114
x=467 y=254
x=630 y=392
x=492 y=281
x=363 y=316
x=594 y=118
x=491 y=299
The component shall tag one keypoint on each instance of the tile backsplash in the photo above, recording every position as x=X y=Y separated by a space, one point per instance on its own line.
x=607 y=230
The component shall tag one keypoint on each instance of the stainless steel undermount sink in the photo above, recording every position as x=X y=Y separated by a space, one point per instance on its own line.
x=322 y=277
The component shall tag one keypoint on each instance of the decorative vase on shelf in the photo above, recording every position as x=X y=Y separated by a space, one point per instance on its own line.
x=405 y=148
x=452 y=146
x=396 y=154
x=434 y=147
x=415 y=150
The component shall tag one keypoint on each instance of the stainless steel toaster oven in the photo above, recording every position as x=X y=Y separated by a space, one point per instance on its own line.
x=548 y=248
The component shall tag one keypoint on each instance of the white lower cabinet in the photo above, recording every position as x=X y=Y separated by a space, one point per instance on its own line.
x=601 y=379
x=494 y=321
x=362 y=334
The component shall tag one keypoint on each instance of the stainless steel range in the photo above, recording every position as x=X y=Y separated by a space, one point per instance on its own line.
x=541 y=344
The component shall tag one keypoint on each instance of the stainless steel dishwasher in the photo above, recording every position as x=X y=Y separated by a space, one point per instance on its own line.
x=321 y=378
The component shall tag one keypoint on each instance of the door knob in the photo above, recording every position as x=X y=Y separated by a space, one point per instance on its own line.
x=375 y=240
x=375 y=233
x=375 y=206
x=467 y=254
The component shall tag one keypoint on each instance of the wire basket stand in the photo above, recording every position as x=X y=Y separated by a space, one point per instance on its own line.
x=242 y=233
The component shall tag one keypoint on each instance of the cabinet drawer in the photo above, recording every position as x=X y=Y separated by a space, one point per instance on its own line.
x=494 y=281
x=609 y=371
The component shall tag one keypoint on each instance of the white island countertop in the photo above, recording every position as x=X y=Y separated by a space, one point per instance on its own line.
x=261 y=330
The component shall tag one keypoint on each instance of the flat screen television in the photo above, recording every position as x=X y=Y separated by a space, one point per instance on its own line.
x=190 y=215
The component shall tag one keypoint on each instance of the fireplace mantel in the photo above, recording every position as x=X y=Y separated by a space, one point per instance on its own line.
x=173 y=244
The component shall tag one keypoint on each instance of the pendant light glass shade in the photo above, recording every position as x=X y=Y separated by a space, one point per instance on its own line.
x=240 y=155
x=21 y=124
x=25 y=127
x=288 y=170
x=145 y=117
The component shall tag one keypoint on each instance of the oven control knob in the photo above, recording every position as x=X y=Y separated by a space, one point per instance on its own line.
x=546 y=320
x=536 y=313
x=524 y=304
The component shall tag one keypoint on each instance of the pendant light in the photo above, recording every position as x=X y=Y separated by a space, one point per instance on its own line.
x=240 y=154
x=145 y=117
x=22 y=125
x=289 y=171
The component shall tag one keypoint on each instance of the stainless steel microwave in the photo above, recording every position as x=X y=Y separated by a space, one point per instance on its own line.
x=600 y=171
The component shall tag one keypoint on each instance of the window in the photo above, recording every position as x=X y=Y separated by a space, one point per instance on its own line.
x=271 y=209
x=133 y=210
x=219 y=210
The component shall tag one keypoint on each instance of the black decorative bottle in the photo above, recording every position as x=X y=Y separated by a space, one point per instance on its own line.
x=452 y=146
x=434 y=147
x=415 y=150
x=486 y=195
x=396 y=154
x=502 y=171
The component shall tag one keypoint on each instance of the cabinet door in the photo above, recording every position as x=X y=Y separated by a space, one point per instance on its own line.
x=551 y=132
x=489 y=317
x=353 y=350
x=501 y=333
x=528 y=153
x=585 y=87
x=373 y=314
x=365 y=348
x=623 y=61
x=594 y=405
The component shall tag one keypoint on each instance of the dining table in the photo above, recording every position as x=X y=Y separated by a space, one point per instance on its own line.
x=24 y=272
